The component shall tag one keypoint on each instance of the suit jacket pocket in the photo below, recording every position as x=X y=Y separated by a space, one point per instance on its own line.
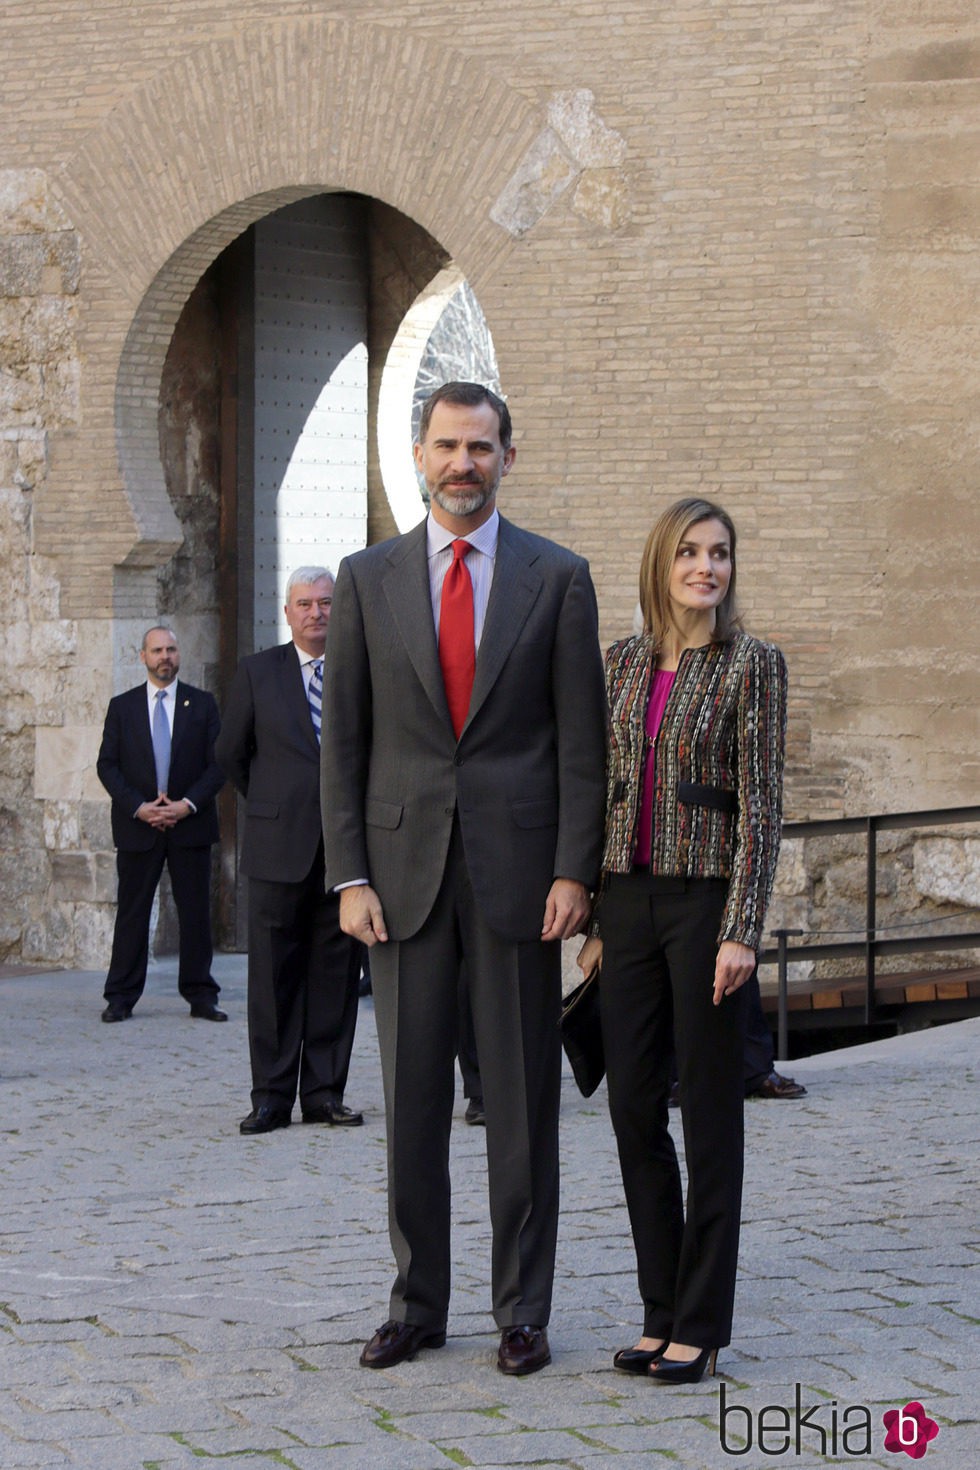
x=261 y=808
x=386 y=814
x=536 y=813
x=693 y=793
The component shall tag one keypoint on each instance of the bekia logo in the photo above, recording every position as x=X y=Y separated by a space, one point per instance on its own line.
x=910 y=1429
x=828 y=1428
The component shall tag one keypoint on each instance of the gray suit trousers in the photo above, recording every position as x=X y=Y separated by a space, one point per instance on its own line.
x=515 y=994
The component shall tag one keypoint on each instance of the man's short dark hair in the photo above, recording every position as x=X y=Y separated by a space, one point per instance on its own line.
x=157 y=628
x=467 y=395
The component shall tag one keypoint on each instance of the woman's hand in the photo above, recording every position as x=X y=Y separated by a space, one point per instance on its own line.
x=589 y=955
x=733 y=967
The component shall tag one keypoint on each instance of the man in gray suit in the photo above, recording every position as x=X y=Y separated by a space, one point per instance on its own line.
x=463 y=797
x=302 y=969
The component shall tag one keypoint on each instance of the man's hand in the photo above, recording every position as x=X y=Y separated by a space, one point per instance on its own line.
x=566 y=910
x=156 y=813
x=163 y=813
x=733 y=967
x=361 y=915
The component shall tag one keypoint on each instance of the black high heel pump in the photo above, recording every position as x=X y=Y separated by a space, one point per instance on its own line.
x=672 y=1370
x=638 y=1360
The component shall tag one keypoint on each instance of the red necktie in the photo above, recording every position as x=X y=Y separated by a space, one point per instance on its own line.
x=457 y=643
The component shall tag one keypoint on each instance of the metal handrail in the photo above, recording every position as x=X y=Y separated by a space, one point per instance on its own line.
x=870 y=946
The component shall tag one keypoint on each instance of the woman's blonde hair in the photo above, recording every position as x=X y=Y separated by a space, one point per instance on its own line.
x=657 y=564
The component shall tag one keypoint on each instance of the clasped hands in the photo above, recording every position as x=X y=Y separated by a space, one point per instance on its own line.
x=163 y=812
x=566 y=910
x=733 y=966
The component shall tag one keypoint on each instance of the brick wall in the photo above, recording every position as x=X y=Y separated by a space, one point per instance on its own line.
x=721 y=248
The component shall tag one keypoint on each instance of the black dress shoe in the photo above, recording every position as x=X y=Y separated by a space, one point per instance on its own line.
x=265 y=1120
x=204 y=1011
x=333 y=1113
x=116 y=1012
x=398 y=1342
x=476 y=1113
x=523 y=1350
x=638 y=1360
x=775 y=1085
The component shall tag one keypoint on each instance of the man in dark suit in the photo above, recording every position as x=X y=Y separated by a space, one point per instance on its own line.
x=157 y=763
x=302 y=969
x=463 y=799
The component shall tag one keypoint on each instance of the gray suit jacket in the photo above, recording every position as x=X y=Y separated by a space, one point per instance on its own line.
x=527 y=775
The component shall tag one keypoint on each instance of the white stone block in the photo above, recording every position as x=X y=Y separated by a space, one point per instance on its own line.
x=64 y=763
x=948 y=869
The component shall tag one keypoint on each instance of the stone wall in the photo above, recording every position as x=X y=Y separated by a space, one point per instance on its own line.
x=56 y=867
x=927 y=884
x=57 y=870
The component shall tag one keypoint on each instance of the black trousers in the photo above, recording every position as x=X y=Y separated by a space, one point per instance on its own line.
x=660 y=941
x=759 y=1054
x=190 y=880
x=303 y=973
x=514 y=992
x=759 y=1050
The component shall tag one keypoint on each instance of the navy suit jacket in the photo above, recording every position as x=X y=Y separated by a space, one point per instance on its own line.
x=268 y=750
x=128 y=772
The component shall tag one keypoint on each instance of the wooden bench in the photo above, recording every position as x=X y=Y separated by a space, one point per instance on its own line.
x=844 y=992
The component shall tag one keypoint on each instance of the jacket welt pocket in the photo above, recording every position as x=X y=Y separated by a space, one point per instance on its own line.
x=387 y=814
x=693 y=793
x=535 y=813
x=262 y=809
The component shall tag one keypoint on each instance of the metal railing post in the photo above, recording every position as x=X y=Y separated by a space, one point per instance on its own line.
x=871 y=920
x=782 y=1037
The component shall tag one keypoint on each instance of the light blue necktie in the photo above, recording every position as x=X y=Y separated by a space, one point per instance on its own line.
x=315 y=696
x=161 y=741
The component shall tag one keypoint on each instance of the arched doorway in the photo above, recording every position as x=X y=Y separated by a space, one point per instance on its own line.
x=278 y=405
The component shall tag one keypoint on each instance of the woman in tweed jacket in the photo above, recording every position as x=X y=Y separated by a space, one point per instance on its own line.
x=696 y=736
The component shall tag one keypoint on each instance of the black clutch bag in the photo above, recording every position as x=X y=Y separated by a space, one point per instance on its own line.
x=581 y=1033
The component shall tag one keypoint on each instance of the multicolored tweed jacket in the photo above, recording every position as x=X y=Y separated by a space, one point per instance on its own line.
x=718 y=772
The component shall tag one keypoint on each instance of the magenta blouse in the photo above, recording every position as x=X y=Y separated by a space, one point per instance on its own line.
x=663 y=682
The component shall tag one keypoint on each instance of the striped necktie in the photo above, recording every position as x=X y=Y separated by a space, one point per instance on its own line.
x=315 y=696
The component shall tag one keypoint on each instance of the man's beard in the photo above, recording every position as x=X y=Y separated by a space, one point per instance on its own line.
x=461 y=504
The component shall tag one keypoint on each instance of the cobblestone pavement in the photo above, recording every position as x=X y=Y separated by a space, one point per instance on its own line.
x=172 y=1294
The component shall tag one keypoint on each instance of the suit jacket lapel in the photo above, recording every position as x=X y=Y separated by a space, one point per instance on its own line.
x=142 y=732
x=515 y=589
x=294 y=693
x=406 y=588
x=181 y=711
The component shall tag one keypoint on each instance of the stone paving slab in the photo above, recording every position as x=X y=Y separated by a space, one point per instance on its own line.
x=174 y=1295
